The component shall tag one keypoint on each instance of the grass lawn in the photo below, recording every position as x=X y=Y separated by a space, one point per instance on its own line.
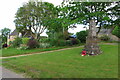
x=68 y=64
x=14 y=51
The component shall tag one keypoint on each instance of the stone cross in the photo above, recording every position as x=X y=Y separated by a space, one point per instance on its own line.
x=91 y=41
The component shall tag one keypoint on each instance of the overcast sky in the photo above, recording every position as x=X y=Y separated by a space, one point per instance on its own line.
x=9 y=8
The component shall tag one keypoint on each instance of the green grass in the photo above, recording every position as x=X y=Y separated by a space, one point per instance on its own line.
x=68 y=64
x=14 y=51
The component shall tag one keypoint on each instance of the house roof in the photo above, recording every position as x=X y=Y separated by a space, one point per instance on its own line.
x=15 y=32
x=105 y=31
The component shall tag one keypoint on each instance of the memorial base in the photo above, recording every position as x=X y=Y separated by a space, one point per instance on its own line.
x=91 y=46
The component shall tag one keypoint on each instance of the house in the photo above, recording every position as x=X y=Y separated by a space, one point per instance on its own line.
x=104 y=32
x=108 y=32
x=16 y=34
x=13 y=35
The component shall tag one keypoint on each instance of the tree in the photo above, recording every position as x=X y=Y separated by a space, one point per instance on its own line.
x=5 y=32
x=34 y=16
x=83 y=12
x=114 y=13
x=116 y=31
x=82 y=36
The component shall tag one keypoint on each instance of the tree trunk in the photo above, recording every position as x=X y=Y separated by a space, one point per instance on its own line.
x=91 y=41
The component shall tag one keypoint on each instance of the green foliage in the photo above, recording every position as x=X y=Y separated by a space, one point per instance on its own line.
x=69 y=43
x=44 y=45
x=34 y=16
x=105 y=38
x=5 y=32
x=82 y=36
x=115 y=12
x=44 y=40
x=23 y=47
x=116 y=31
x=25 y=40
x=17 y=42
x=61 y=42
x=83 y=12
x=54 y=42
x=75 y=41
x=57 y=42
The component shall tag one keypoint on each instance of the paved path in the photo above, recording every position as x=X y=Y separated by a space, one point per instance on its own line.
x=39 y=53
x=9 y=74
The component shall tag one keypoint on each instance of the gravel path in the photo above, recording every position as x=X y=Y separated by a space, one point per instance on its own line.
x=39 y=53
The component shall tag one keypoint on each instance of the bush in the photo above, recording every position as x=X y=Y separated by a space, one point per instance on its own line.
x=82 y=36
x=68 y=43
x=25 y=40
x=53 y=42
x=44 y=40
x=105 y=38
x=32 y=44
x=116 y=31
x=44 y=45
x=75 y=41
x=17 y=42
x=61 y=43
x=57 y=42
x=23 y=47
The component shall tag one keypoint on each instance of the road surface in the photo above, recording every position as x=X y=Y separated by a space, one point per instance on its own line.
x=9 y=74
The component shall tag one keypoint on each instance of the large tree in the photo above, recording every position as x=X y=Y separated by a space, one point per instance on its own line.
x=83 y=12
x=34 y=16
x=5 y=32
x=114 y=13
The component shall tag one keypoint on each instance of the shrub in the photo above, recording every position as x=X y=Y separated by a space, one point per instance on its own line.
x=68 y=43
x=32 y=44
x=57 y=42
x=25 y=40
x=105 y=38
x=44 y=40
x=82 y=36
x=75 y=41
x=23 y=47
x=116 y=31
x=61 y=43
x=17 y=42
x=53 y=42
x=44 y=45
